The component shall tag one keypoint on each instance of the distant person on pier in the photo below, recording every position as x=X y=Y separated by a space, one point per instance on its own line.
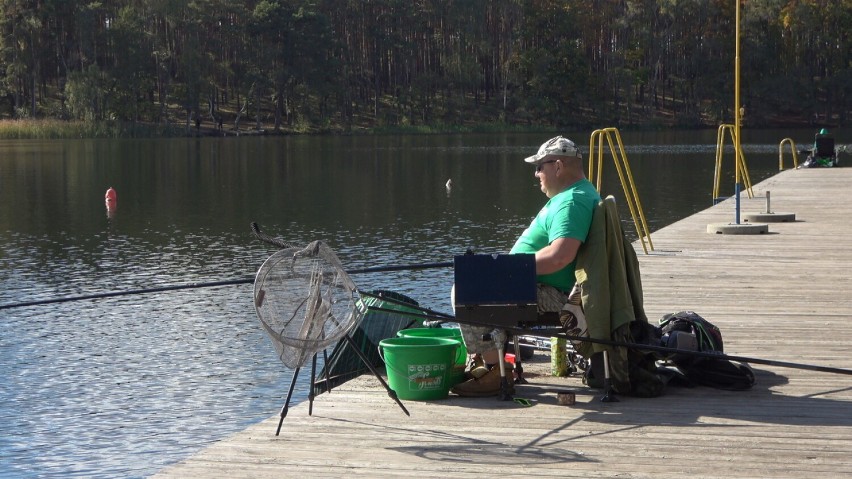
x=823 y=153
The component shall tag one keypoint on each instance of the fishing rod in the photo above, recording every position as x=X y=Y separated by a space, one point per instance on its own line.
x=439 y=317
x=211 y=284
x=281 y=244
x=700 y=354
x=255 y=229
x=402 y=267
x=421 y=312
x=112 y=294
x=558 y=332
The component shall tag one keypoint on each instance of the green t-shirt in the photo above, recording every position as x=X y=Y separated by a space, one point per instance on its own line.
x=566 y=215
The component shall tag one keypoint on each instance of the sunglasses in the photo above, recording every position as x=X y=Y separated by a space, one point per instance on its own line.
x=538 y=167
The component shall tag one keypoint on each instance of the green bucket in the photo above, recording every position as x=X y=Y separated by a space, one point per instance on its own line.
x=460 y=363
x=419 y=368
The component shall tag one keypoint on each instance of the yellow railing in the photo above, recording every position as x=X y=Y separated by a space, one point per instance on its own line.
x=739 y=160
x=781 y=153
x=623 y=168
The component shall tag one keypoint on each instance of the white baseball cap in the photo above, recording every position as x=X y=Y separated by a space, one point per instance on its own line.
x=557 y=146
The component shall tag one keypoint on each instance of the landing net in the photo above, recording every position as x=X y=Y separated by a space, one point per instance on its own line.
x=305 y=301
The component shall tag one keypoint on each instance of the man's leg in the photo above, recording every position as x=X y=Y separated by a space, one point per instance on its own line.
x=549 y=299
x=483 y=343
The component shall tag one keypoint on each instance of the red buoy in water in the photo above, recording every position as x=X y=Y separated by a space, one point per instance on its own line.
x=111 y=200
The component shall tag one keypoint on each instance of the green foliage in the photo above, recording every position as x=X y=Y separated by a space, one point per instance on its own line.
x=332 y=65
x=85 y=94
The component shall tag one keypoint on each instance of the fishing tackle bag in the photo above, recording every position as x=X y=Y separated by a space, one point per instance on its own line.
x=687 y=331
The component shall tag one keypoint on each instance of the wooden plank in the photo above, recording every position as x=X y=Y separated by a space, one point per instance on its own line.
x=781 y=296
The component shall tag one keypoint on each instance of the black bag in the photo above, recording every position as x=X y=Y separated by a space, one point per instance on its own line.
x=720 y=374
x=632 y=370
x=717 y=373
x=708 y=336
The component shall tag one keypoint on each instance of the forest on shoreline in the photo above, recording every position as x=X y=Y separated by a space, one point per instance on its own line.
x=130 y=67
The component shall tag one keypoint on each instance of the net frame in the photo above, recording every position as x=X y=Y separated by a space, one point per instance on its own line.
x=305 y=301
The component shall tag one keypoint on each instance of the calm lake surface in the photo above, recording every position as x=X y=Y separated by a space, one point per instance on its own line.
x=123 y=386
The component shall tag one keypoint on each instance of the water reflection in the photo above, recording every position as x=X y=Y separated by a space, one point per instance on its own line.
x=120 y=387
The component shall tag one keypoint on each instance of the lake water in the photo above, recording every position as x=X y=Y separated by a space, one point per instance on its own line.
x=123 y=386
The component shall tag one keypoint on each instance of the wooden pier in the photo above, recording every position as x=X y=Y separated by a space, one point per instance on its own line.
x=785 y=295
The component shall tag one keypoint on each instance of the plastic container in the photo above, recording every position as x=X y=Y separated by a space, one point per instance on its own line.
x=510 y=358
x=419 y=368
x=460 y=363
x=558 y=356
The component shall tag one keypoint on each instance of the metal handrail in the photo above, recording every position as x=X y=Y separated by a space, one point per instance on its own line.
x=781 y=154
x=627 y=183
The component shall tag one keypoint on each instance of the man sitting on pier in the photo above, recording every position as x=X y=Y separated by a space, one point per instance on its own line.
x=554 y=236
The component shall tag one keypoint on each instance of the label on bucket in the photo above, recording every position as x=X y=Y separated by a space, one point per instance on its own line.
x=422 y=377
